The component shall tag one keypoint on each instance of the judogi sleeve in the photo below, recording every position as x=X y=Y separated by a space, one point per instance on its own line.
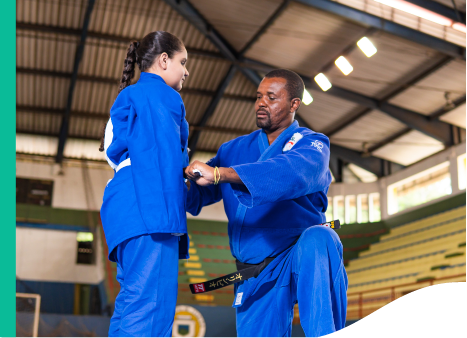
x=199 y=197
x=300 y=171
x=184 y=128
x=156 y=160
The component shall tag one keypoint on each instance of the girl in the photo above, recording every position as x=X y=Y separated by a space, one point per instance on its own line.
x=143 y=212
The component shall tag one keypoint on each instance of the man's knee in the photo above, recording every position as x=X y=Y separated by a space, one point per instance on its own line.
x=317 y=235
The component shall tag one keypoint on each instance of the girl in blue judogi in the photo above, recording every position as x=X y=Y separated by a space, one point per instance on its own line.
x=143 y=212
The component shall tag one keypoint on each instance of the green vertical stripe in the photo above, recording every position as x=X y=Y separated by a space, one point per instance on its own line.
x=7 y=171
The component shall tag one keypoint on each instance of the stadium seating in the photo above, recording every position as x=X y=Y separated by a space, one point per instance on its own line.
x=424 y=250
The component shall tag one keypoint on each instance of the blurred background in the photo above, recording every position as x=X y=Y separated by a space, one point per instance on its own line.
x=385 y=82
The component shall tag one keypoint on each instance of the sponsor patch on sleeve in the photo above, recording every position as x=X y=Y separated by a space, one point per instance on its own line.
x=293 y=140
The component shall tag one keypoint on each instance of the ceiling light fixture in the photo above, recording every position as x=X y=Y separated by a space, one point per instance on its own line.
x=459 y=27
x=323 y=82
x=423 y=13
x=307 y=98
x=367 y=47
x=344 y=65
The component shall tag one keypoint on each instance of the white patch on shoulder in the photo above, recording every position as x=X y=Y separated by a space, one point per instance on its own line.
x=318 y=145
x=293 y=140
x=238 y=300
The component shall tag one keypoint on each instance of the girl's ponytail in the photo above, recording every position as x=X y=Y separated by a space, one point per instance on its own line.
x=129 y=66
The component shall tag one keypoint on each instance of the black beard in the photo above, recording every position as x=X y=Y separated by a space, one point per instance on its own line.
x=264 y=123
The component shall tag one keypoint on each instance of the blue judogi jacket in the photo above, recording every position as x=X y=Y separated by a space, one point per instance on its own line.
x=284 y=193
x=147 y=125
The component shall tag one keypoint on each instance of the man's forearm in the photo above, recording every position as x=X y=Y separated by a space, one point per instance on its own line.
x=228 y=175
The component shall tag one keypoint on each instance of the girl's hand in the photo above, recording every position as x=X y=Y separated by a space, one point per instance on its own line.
x=207 y=173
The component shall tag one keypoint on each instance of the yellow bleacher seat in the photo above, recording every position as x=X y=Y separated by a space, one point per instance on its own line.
x=418 y=236
x=409 y=253
x=196 y=280
x=204 y=298
x=441 y=217
x=195 y=272
x=192 y=265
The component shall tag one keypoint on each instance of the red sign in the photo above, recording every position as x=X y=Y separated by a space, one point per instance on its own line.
x=199 y=288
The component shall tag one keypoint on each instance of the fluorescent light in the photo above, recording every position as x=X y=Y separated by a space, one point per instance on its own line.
x=417 y=11
x=323 y=82
x=367 y=47
x=459 y=27
x=84 y=237
x=307 y=99
x=344 y=65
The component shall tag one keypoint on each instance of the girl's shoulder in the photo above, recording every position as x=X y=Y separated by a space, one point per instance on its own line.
x=156 y=90
x=136 y=95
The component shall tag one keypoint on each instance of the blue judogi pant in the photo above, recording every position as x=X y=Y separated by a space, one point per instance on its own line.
x=310 y=273
x=147 y=270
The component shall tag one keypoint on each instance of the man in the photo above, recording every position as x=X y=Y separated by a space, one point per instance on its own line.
x=273 y=183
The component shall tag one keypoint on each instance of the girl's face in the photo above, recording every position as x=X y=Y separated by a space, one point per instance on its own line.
x=176 y=73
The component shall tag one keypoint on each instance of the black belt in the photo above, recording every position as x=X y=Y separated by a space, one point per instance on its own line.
x=245 y=271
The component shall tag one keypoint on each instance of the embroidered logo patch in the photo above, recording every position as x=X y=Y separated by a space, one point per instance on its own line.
x=238 y=300
x=199 y=288
x=318 y=145
x=293 y=140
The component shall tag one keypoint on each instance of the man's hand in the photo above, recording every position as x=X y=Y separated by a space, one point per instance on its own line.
x=207 y=173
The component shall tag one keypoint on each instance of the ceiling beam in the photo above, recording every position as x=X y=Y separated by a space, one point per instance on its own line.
x=375 y=165
x=336 y=165
x=442 y=111
x=434 y=116
x=389 y=139
x=434 y=128
x=451 y=13
x=58 y=111
x=112 y=81
x=391 y=27
x=211 y=108
x=78 y=56
x=265 y=26
x=102 y=36
x=105 y=117
x=191 y=14
x=416 y=77
x=40 y=133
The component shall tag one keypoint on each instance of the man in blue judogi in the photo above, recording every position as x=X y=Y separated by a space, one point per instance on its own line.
x=274 y=183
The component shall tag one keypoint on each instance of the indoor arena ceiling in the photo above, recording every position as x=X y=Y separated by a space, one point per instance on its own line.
x=395 y=108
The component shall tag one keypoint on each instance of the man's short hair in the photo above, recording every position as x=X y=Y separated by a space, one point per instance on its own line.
x=294 y=86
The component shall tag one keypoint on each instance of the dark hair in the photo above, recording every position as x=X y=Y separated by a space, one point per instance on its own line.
x=143 y=54
x=294 y=86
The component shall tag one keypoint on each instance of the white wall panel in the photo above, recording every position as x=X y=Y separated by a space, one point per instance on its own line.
x=50 y=255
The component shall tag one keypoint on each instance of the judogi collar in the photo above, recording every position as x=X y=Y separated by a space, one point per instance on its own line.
x=267 y=150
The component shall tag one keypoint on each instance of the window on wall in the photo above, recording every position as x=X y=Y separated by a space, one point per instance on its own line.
x=374 y=207
x=339 y=209
x=362 y=209
x=329 y=214
x=350 y=209
x=423 y=187
x=29 y=191
x=461 y=171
